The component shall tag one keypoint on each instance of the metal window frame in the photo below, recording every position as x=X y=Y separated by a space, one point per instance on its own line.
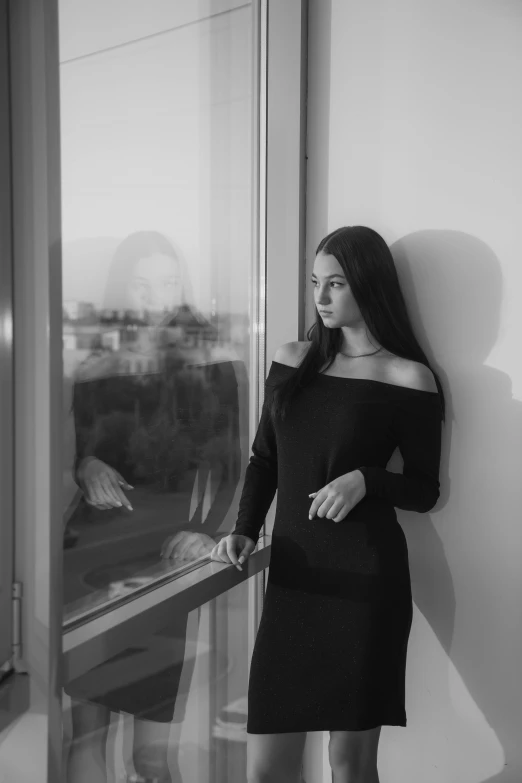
x=277 y=309
x=103 y=636
x=36 y=221
x=6 y=359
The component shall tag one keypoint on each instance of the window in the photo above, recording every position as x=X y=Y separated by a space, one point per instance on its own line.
x=107 y=199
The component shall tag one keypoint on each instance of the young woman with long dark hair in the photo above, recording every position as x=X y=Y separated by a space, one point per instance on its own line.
x=330 y=652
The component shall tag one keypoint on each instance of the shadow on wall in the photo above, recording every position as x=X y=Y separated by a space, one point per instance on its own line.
x=465 y=566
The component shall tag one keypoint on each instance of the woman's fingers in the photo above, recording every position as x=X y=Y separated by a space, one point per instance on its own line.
x=108 y=495
x=110 y=490
x=322 y=506
x=167 y=549
x=117 y=492
x=316 y=502
x=335 y=508
x=182 y=542
x=99 y=506
x=103 y=491
x=329 y=508
x=171 y=546
x=343 y=511
x=231 y=552
x=225 y=551
x=121 y=480
x=96 y=492
x=220 y=552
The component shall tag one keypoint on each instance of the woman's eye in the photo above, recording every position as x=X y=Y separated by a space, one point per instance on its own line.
x=333 y=282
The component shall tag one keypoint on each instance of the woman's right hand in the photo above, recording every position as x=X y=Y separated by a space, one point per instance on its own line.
x=234 y=549
x=102 y=485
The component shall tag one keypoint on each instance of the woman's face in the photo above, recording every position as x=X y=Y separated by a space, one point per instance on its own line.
x=333 y=293
x=155 y=284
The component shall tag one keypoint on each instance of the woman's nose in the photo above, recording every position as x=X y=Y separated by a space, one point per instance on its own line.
x=322 y=301
x=155 y=299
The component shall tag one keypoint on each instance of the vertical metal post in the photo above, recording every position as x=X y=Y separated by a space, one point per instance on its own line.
x=18 y=663
x=38 y=421
x=6 y=348
x=258 y=292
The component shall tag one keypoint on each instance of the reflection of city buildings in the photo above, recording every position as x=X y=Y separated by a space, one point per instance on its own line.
x=82 y=340
x=83 y=337
x=128 y=342
x=192 y=326
x=79 y=311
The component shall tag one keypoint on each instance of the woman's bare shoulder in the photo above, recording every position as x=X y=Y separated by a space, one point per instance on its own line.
x=407 y=372
x=292 y=353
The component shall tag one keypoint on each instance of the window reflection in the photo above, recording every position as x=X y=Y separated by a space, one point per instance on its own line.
x=158 y=154
x=155 y=409
x=156 y=414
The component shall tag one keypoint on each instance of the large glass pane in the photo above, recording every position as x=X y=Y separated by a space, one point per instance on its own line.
x=193 y=730
x=157 y=158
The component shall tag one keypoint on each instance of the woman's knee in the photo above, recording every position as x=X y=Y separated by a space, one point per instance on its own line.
x=151 y=763
x=89 y=719
x=354 y=751
x=150 y=750
x=275 y=758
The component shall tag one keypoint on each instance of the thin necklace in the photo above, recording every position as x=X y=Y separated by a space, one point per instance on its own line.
x=350 y=356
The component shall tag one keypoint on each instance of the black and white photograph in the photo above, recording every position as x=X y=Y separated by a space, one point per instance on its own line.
x=260 y=391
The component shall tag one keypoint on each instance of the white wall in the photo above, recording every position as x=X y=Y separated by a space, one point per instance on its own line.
x=414 y=124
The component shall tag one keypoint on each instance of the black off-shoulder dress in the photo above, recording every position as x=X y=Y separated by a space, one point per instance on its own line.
x=330 y=653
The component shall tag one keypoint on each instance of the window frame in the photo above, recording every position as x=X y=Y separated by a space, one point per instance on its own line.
x=277 y=307
x=6 y=362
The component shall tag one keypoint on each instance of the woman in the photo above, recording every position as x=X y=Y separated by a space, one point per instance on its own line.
x=148 y=414
x=330 y=652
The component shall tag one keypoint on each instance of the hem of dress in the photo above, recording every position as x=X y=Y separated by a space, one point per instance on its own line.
x=367 y=727
x=85 y=700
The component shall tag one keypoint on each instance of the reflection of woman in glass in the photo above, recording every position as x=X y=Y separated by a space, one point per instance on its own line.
x=151 y=411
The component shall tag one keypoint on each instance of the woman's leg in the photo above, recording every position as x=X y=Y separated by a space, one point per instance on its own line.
x=150 y=751
x=353 y=756
x=86 y=757
x=275 y=758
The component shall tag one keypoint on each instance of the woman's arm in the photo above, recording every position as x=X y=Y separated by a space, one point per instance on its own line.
x=84 y=426
x=417 y=425
x=227 y=431
x=260 y=482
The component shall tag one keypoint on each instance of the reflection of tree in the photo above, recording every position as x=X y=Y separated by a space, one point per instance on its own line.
x=155 y=427
x=160 y=452
x=112 y=430
x=221 y=450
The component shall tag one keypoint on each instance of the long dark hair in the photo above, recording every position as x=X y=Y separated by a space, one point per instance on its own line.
x=369 y=267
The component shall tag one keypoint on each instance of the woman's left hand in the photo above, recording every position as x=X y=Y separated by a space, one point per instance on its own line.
x=335 y=500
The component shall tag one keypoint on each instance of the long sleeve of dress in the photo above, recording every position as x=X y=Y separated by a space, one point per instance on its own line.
x=260 y=482
x=84 y=425
x=417 y=426
x=224 y=377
